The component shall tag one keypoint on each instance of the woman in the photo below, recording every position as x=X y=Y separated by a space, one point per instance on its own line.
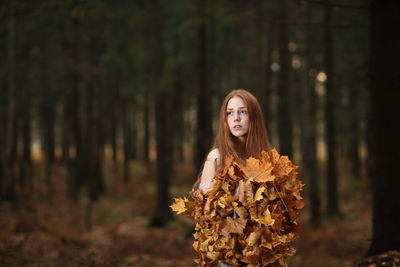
x=241 y=134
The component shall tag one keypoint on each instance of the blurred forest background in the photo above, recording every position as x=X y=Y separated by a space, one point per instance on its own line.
x=108 y=109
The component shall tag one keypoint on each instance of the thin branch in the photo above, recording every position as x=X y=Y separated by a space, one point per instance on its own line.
x=359 y=7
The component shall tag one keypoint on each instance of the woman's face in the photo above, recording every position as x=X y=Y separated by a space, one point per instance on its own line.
x=237 y=117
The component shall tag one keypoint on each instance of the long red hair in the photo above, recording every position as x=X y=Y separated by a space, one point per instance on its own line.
x=257 y=138
x=228 y=145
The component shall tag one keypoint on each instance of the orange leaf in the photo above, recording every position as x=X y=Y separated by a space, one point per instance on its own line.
x=259 y=171
x=179 y=205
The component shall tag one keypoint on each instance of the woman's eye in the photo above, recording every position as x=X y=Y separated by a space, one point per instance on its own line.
x=243 y=112
x=229 y=113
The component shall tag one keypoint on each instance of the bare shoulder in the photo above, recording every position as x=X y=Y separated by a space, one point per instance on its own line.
x=213 y=155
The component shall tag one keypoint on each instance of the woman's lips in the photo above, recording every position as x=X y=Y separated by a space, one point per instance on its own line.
x=237 y=127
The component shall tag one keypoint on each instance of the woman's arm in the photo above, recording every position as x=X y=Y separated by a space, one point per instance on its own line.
x=209 y=169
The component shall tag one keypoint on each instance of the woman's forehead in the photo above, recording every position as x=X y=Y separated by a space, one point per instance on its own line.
x=236 y=103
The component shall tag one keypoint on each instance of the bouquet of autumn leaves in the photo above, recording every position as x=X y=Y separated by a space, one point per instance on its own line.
x=249 y=215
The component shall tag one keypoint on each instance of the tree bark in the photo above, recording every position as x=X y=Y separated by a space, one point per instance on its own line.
x=9 y=192
x=204 y=118
x=309 y=143
x=73 y=109
x=266 y=92
x=146 y=122
x=354 y=132
x=127 y=138
x=383 y=139
x=114 y=123
x=284 y=106
x=330 y=118
x=163 y=133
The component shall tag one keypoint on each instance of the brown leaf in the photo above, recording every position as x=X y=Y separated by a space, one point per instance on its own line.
x=233 y=226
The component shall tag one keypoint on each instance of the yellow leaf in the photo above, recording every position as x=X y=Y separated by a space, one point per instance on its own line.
x=240 y=210
x=259 y=192
x=179 y=205
x=253 y=237
x=266 y=219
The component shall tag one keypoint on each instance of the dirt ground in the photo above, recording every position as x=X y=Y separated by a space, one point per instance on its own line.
x=52 y=232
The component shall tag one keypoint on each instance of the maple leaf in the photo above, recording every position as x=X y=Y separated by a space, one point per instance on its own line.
x=233 y=226
x=260 y=171
x=179 y=206
x=284 y=166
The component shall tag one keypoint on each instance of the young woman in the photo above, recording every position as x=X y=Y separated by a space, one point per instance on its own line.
x=241 y=134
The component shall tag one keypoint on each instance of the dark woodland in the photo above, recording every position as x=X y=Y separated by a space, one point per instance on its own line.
x=108 y=110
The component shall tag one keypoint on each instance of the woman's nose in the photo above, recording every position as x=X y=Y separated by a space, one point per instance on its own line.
x=237 y=117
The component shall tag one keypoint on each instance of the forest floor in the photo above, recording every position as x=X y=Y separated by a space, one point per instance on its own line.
x=45 y=231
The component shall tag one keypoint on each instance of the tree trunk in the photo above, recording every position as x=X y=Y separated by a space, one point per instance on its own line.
x=309 y=125
x=284 y=106
x=204 y=118
x=146 y=122
x=127 y=138
x=9 y=192
x=178 y=100
x=73 y=105
x=163 y=134
x=266 y=92
x=354 y=131
x=25 y=124
x=383 y=139
x=330 y=120
x=114 y=122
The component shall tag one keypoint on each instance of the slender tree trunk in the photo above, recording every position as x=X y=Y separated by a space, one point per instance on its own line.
x=100 y=123
x=354 y=132
x=10 y=132
x=76 y=171
x=284 y=108
x=73 y=109
x=383 y=139
x=25 y=111
x=65 y=134
x=127 y=138
x=163 y=133
x=114 y=123
x=94 y=177
x=309 y=130
x=266 y=93
x=204 y=118
x=330 y=120
x=178 y=99
x=146 y=122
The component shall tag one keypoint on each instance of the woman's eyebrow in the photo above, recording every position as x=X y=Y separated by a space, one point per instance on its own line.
x=238 y=108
